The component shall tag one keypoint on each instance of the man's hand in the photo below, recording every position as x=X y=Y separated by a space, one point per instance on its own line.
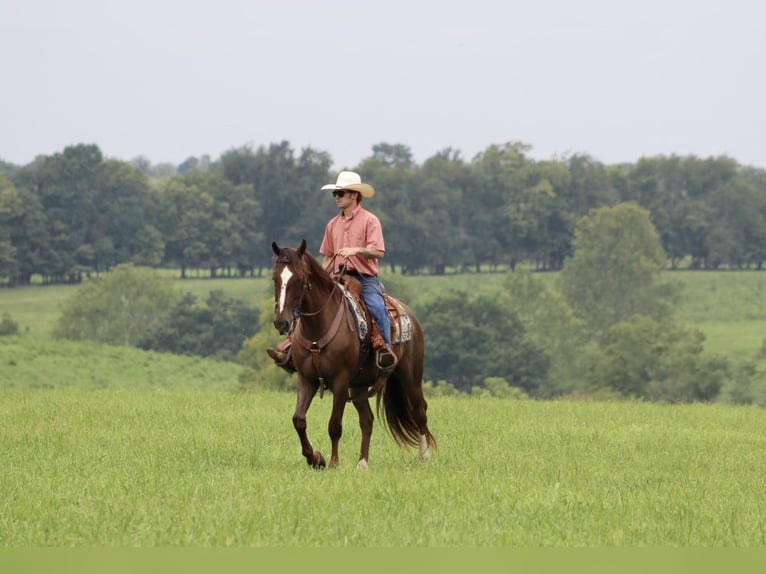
x=347 y=252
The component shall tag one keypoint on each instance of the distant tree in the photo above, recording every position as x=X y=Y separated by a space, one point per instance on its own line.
x=216 y=329
x=66 y=185
x=118 y=230
x=24 y=236
x=436 y=205
x=7 y=325
x=550 y=323
x=188 y=165
x=7 y=168
x=615 y=270
x=393 y=155
x=118 y=308
x=497 y=183
x=286 y=188
x=470 y=339
x=8 y=202
x=659 y=360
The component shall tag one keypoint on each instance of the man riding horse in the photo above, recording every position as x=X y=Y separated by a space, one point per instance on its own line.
x=352 y=244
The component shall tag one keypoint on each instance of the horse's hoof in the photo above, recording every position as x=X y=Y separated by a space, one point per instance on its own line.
x=319 y=461
x=423 y=452
x=362 y=464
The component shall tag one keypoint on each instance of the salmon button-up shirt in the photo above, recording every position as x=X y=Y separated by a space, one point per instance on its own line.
x=361 y=229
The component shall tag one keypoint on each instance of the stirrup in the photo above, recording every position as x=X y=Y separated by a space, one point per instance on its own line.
x=389 y=360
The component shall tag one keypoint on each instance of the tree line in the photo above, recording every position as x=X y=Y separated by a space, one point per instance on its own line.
x=605 y=327
x=76 y=213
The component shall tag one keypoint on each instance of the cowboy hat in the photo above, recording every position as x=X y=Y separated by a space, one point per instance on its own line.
x=352 y=181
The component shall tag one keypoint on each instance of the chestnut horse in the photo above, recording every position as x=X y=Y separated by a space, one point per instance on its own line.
x=328 y=354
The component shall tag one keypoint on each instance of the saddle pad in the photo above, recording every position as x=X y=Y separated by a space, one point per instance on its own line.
x=356 y=308
x=401 y=323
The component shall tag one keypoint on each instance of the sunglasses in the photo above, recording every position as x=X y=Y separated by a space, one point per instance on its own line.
x=339 y=193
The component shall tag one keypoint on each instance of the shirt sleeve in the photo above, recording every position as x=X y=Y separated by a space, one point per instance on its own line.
x=375 y=235
x=326 y=248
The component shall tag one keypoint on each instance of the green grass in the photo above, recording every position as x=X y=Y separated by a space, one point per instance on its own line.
x=113 y=446
x=34 y=363
x=35 y=308
x=159 y=468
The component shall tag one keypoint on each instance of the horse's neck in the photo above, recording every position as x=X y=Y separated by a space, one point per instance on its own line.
x=321 y=306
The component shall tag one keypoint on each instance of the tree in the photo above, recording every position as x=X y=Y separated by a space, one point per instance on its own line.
x=472 y=338
x=7 y=325
x=550 y=324
x=117 y=309
x=659 y=360
x=8 y=200
x=287 y=190
x=118 y=229
x=24 y=238
x=216 y=329
x=66 y=185
x=615 y=270
x=496 y=185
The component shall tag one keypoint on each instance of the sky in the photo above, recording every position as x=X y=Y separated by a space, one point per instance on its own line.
x=171 y=79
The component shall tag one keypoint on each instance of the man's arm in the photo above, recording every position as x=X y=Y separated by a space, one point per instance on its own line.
x=365 y=252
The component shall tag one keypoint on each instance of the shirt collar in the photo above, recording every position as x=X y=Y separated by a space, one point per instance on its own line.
x=354 y=213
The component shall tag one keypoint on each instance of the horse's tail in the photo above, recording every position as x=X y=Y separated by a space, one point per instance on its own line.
x=400 y=414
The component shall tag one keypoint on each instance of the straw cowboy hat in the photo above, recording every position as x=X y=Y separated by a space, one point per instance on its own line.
x=351 y=181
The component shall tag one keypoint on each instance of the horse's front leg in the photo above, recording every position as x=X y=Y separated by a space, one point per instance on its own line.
x=335 y=426
x=306 y=392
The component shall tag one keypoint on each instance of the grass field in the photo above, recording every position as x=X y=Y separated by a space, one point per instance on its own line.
x=113 y=446
x=159 y=468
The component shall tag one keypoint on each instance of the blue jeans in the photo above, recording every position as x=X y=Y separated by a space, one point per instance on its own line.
x=372 y=294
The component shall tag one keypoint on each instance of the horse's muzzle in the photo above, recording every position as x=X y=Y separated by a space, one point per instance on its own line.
x=282 y=326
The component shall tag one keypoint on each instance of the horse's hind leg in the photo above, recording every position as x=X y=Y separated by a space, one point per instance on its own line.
x=366 y=419
x=335 y=426
x=306 y=392
x=419 y=409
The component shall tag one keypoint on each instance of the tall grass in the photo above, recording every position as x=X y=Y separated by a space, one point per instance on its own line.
x=159 y=468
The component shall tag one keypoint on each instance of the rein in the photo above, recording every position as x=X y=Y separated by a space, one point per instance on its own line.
x=322 y=308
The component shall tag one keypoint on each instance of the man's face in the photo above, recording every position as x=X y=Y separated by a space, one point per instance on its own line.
x=344 y=198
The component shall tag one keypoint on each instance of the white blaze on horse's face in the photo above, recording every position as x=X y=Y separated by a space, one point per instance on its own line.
x=284 y=277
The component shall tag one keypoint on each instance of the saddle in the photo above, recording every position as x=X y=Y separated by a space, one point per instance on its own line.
x=401 y=325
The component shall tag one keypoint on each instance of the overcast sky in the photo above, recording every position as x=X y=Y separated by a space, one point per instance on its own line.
x=170 y=79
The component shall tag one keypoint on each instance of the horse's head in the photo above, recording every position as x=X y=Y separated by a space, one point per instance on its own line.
x=290 y=284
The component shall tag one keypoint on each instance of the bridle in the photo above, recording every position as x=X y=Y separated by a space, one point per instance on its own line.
x=305 y=288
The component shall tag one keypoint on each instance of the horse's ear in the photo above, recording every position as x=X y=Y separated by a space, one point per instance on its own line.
x=302 y=248
x=275 y=247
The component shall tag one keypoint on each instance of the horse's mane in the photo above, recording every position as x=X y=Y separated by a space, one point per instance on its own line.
x=320 y=275
x=303 y=263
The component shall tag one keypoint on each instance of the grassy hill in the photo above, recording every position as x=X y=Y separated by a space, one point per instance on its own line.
x=39 y=363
